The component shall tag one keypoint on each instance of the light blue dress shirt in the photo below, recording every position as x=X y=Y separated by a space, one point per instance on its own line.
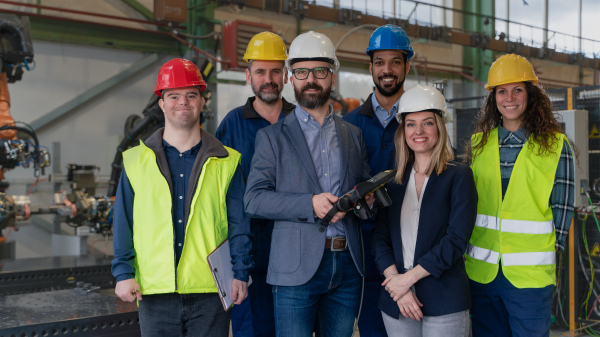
x=382 y=114
x=324 y=147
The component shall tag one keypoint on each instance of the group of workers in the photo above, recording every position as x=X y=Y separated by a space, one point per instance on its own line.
x=461 y=244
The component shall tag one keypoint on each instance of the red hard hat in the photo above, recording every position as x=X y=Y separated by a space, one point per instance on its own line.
x=178 y=73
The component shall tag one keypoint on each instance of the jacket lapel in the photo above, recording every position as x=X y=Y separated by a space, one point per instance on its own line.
x=291 y=129
x=345 y=140
x=423 y=233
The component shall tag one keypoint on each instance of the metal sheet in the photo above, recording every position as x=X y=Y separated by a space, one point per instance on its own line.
x=66 y=311
x=53 y=273
x=54 y=262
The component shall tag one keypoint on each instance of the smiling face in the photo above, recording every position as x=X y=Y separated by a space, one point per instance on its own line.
x=182 y=107
x=421 y=132
x=266 y=79
x=511 y=101
x=312 y=92
x=389 y=71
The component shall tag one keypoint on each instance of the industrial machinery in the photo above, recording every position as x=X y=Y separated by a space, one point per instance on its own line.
x=19 y=145
x=342 y=106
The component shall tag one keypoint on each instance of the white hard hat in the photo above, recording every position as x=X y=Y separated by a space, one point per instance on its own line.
x=421 y=98
x=312 y=45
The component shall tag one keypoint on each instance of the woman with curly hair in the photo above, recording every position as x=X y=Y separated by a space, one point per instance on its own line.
x=523 y=168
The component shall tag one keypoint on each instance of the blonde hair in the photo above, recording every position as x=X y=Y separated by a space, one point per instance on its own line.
x=442 y=152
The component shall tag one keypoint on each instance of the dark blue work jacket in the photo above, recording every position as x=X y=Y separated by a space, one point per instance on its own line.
x=379 y=141
x=238 y=131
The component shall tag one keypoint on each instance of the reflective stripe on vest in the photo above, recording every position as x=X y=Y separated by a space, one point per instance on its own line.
x=483 y=254
x=518 y=231
x=153 y=230
x=514 y=226
x=529 y=259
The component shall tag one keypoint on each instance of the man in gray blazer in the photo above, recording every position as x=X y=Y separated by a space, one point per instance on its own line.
x=301 y=164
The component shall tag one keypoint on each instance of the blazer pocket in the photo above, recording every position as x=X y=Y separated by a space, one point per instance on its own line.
x=285 y=250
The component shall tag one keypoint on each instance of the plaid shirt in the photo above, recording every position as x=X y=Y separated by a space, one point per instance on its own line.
x=561 y=198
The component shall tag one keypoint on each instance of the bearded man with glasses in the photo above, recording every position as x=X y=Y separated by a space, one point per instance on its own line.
x=300 y=166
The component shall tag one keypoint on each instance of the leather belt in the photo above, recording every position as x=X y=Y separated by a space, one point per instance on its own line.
x=336 y=243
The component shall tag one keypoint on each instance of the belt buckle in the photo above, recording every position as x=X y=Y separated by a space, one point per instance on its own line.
x=333 y=238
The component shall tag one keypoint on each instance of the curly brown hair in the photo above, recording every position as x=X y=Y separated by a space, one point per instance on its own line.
x=539 y=121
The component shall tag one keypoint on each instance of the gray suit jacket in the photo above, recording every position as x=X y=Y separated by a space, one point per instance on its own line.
x=280 y=187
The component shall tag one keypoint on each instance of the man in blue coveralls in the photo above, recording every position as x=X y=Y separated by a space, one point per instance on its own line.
x=389 y=50
x=266 y=75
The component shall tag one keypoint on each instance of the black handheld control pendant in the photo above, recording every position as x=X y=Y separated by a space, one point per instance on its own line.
x=355 y=198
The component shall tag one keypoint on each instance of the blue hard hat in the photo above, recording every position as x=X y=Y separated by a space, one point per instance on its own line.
x=390 y=37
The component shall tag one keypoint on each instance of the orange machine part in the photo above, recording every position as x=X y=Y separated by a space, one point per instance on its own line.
x=5 y=117
x=352 y=103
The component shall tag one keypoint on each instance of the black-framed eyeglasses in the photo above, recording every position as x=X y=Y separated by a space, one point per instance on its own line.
x=319 y=73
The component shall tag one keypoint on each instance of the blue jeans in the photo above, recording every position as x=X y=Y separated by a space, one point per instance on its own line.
x=500 y=309
x=188 y=315
x=330 y=298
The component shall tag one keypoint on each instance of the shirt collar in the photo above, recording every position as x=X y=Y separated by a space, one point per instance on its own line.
x=192 y=151
x=248 y=111
x=305 y=117
x=381 y=113
x=520 y=135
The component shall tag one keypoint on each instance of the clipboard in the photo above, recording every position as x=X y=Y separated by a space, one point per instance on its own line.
x=221 y=269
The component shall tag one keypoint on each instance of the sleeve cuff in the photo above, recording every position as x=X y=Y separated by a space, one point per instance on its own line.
x=124 y=277
x=241 y=275
x=384 y=262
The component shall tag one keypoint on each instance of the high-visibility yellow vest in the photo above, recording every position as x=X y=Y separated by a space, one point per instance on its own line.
x=154 y=232
x=518 y=230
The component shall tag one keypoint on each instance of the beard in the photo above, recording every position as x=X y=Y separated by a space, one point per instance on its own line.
x=389 y=90
x=267 y=97
x=312 y=101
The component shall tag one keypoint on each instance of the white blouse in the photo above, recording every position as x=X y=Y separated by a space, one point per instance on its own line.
x=409 y=219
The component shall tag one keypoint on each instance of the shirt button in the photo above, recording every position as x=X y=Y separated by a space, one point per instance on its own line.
x=181 y=155
x=180 y=197
x=321 y=229
x=326 y=174
x=180 y=221
x=179 y=244
x=181 y=175
x=305 y=119
x=323 y=151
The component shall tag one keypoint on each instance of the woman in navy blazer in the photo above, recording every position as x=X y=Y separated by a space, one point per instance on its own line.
x=419 y=241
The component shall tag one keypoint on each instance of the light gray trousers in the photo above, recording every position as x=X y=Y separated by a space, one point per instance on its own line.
x=451 y=325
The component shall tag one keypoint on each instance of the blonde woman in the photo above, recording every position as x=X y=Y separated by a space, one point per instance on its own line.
x=419 y=241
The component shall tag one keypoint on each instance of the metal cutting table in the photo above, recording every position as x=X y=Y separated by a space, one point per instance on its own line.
x=21 y=276
x=67 y=312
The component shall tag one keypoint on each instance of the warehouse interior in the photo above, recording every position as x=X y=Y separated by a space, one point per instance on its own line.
x=77 y=81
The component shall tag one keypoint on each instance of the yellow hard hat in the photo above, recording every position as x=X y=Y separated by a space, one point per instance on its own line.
x=510 y=68
x=266 y=46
